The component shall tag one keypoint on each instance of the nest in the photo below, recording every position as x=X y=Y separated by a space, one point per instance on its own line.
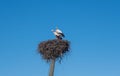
x=53 y=49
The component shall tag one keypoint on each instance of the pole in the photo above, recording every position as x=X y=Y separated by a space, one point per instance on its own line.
x=52 y=66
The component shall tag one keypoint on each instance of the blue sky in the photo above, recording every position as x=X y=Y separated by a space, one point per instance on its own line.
x=92 y=27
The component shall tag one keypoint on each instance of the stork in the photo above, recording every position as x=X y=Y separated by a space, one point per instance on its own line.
x=58 y=33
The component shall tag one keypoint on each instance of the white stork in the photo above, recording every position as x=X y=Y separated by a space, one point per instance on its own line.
x=58 y=33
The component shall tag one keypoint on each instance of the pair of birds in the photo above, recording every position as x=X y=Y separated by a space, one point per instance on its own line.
x=58 y=33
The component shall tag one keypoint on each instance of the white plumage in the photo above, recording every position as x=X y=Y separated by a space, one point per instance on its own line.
x=58 y=33
x=58 y=30
x=55 y=33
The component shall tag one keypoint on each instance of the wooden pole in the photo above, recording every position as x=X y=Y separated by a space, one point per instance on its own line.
x=52 y=66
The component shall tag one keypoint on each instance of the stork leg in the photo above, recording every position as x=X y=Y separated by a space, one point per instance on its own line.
x=58 y=37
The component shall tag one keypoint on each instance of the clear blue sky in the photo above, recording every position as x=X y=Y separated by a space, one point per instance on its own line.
x=92 y=26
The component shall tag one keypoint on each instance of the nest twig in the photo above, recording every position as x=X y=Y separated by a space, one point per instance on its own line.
x=53 y=49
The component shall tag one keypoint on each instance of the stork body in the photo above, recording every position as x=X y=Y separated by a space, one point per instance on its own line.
x=58 y=33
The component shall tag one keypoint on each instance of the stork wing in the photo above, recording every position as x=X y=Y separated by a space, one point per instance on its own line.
x=62 y=35
x=58 y=31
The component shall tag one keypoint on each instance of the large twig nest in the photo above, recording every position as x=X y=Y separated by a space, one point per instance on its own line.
x=53 y=49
